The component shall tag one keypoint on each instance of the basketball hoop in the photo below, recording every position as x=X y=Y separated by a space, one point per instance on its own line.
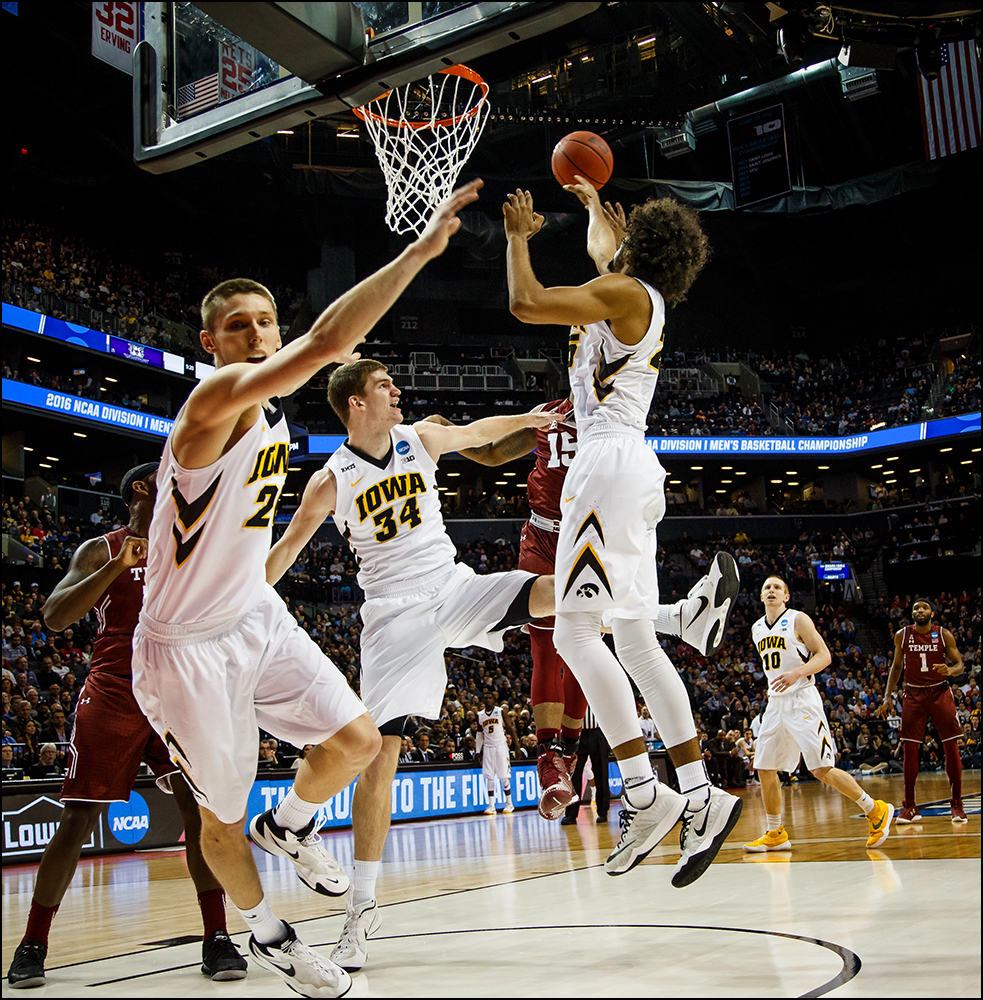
x=423 y=134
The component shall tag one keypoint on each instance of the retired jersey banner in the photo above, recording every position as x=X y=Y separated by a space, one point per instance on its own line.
x=115 y=33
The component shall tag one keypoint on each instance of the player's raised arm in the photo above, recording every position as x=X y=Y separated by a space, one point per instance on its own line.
x=610 y=297
x=439 y=439
x=605 y=227
x=318 y=502
x=222 y=397
x=500 y=451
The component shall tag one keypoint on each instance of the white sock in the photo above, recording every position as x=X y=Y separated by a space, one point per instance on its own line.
x=866 y=803
x=668 y=620
x=774 y=822
x=694 y=784
x=293 y=813
x=266 y=927
x=363 y=884
x=508 y=795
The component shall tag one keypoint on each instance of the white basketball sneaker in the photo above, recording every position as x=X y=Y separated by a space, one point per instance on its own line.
x=703 y=615
x=301 y=968
x=315 y=867
x=352 y=948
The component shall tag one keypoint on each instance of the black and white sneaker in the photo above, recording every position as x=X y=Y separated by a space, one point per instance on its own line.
x=27 y=968
x=642 y=829
x=315 y=867
x=301 y=968
x=703 y=835
x=704 y=613
x=220 y=958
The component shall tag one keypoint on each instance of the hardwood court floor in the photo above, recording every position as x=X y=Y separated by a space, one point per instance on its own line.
x=516 y=906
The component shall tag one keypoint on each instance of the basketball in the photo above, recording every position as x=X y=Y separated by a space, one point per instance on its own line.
x=583 y=153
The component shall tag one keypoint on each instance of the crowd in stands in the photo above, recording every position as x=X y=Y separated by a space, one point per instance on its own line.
x=154 y=303
x=860 y=389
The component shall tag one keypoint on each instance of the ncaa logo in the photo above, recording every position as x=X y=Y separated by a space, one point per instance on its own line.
x=403 y=447
x=129 y=822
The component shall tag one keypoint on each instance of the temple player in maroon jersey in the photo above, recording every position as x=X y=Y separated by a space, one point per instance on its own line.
x=928 y=657
x=558 y=704
x=111 y=737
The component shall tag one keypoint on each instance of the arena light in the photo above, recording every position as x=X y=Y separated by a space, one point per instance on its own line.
x=877 y=427
x=740 y=473
x=508 y=473
x=719 y=491
x=696 y=468
x=776 y=481
x=293 y=468
x=726 y=468
x=890 y=480
x=976 y=449
x=944 y=450
x=109 y=378
x=44 y=465
x=793 y=484
x=51 y=458
x=675 y=482
x=726 y=480
x=27 y=449
x=37 y=361
x=521 y=486
x=914 y=470
x=501 y=482
x=894 y=458
x=967 y=461
x=449 y=474
x=79 y=434
x=822 y=466
x=877 y=466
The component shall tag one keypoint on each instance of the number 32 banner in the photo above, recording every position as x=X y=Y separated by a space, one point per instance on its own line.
x=115 y=33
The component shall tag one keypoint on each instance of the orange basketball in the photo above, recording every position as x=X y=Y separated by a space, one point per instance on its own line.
x=583 y=153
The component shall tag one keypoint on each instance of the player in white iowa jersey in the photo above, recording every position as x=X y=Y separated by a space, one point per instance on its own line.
x=792 y=653
x=494 y=749
x=612 y=501
x=381 y=488
x=216 y=651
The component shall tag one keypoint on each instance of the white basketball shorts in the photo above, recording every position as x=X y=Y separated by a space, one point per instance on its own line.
x=794 y=724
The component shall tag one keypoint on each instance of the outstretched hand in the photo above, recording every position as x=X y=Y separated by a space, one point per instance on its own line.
x=521 y=219
x=614 y=215
x=444 y=222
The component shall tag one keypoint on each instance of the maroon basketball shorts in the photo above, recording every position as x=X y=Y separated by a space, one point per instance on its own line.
x=923 y=703
x=537 y=554
x=110 y=739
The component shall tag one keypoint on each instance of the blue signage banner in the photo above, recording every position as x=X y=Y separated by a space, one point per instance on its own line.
x=65 y=405
x=820 y=447
x=422 y=794
x=72 y=333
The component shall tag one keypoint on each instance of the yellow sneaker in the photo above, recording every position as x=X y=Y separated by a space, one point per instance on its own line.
x=879 y=823
x=773 y=840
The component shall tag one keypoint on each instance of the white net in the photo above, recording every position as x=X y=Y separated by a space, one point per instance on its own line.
x=424 y=133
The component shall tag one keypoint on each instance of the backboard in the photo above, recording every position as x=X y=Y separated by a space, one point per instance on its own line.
x=210 y=77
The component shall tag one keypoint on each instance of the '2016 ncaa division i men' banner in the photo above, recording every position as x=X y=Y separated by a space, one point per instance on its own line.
x=116 y=29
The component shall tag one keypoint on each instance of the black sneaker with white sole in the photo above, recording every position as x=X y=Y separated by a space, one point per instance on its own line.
x=220 y=958
x=27 y=968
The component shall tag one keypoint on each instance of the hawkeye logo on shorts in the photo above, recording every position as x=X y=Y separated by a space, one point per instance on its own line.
x=402 y=448
x=406 y=484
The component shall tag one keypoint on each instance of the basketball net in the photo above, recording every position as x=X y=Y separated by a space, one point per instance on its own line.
x=423 y=134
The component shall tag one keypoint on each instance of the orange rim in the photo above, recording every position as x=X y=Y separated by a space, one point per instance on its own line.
x=465 y=72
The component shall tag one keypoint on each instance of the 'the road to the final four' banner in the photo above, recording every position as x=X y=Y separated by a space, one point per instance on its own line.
x=422 y=794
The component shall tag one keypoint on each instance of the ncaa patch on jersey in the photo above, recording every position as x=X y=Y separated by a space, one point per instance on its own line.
x=402 y=447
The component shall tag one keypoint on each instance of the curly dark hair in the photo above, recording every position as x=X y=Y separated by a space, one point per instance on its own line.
x=666 y=247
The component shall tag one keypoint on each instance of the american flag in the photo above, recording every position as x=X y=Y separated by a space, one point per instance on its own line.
x=197 y=96
x=951 y=104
